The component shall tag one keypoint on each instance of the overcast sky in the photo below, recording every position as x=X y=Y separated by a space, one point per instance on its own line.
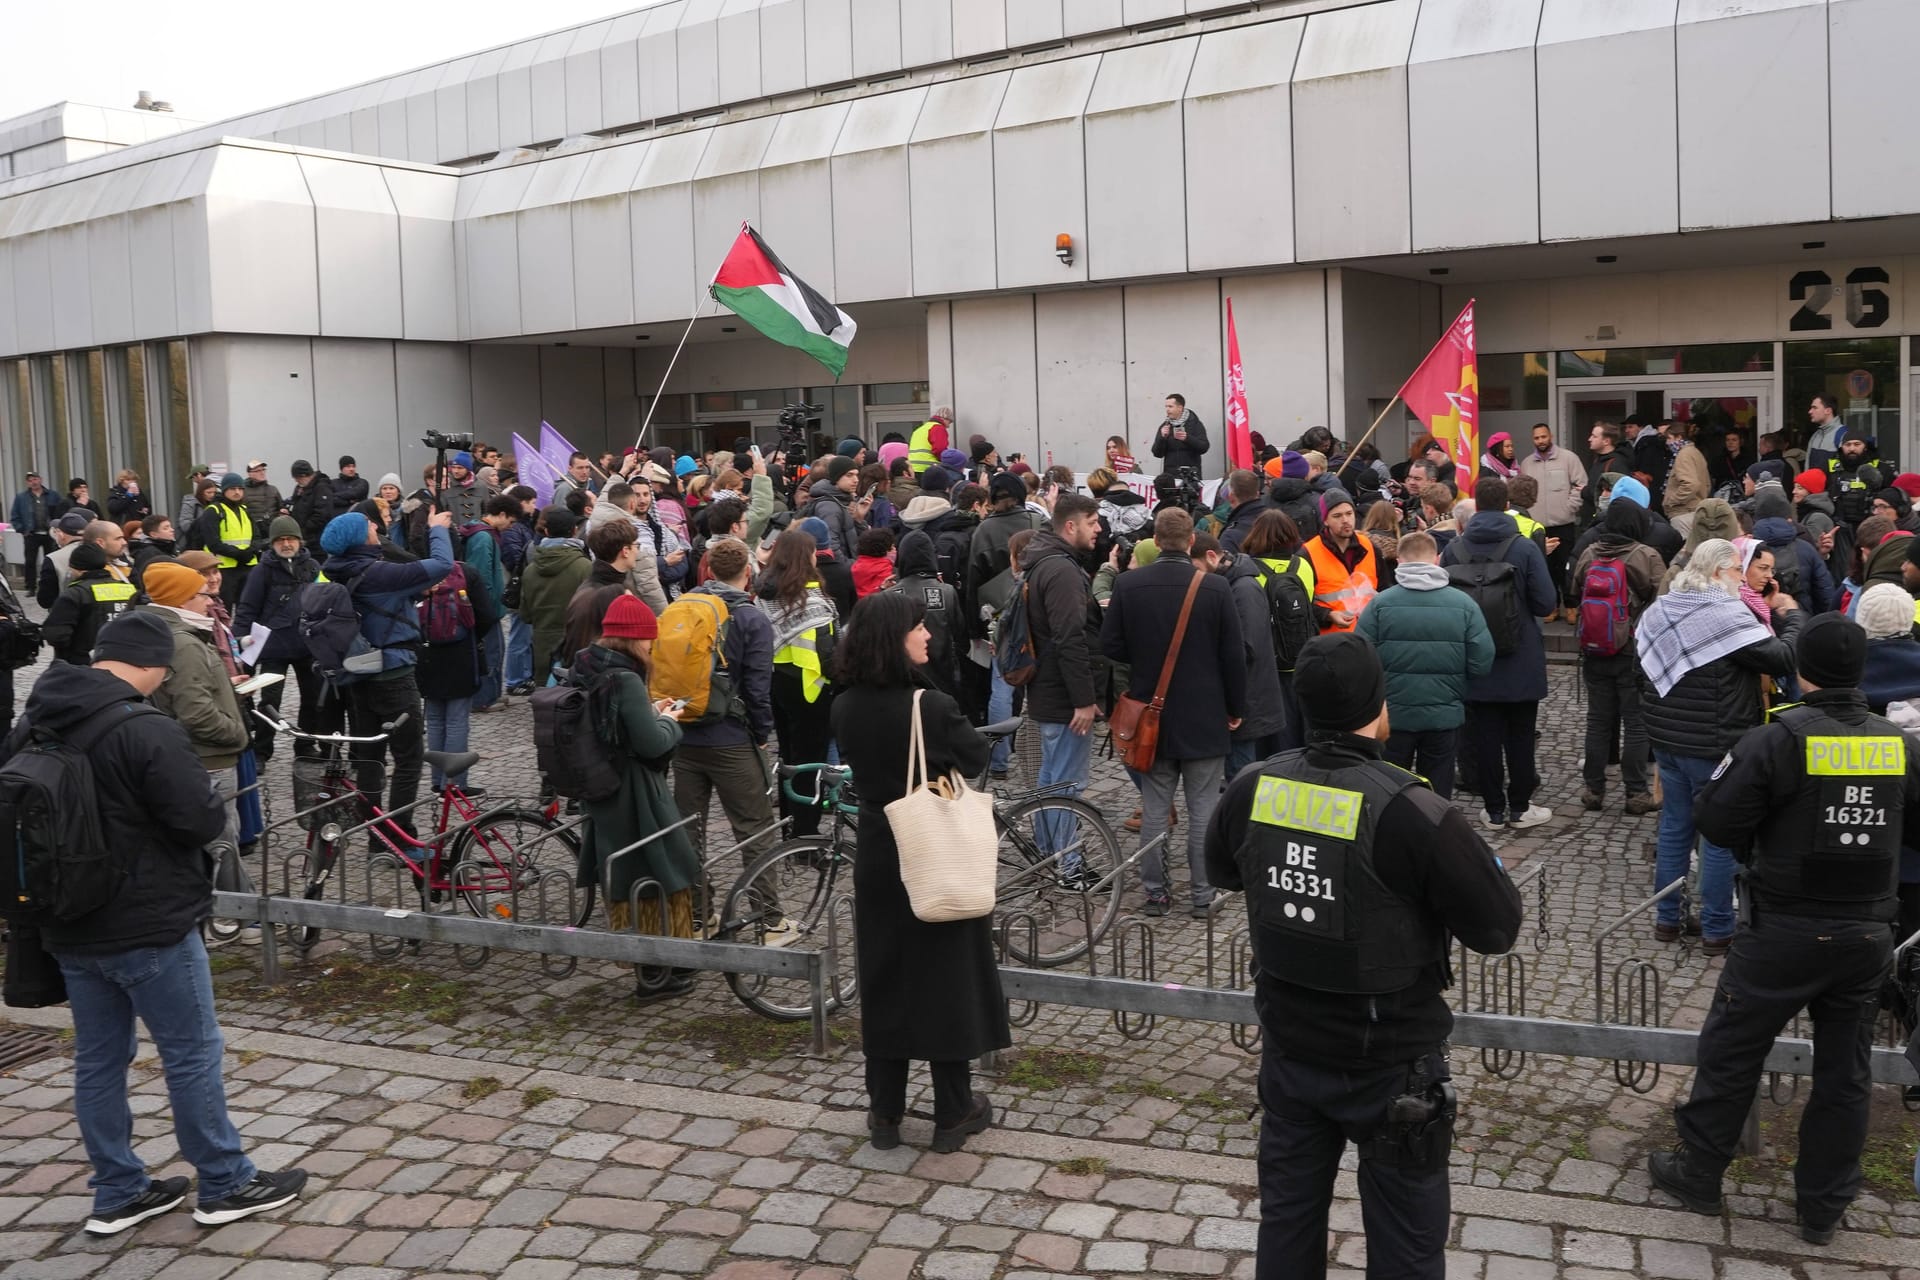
x=213 y=59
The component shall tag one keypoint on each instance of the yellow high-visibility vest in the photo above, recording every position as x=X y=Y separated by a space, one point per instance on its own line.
x=803 y=651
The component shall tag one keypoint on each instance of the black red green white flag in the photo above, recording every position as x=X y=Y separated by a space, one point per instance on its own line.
x=756 y=286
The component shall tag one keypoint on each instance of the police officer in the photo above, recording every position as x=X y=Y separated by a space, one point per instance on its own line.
x=1355 y=874
x=1813 y=804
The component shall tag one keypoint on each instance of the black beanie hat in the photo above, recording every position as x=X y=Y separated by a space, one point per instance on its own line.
x=1340 y=682
x=1832 y=651
x=139 y=639
x=88 y=557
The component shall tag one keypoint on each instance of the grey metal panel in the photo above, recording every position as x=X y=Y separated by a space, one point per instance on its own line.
x=783 y=46
x=1080 y=353
x=1752 y=101
x=602 y=267
x=33 y=292
x=726 y=190
x=1351 y=196
x=660 y=210
x=192 y=264
x=1873 y=97
x=430 y=287
x=72 y=298
x=365 y=139
x=544 y=233
x=872 y=206
x=620 y=71
x=940 y=352
x=506 y=388
x=516 y=96
x=1034 y=22
x=876 y=37
x=549 y=80
x=339 y=131
x=1083 y=17
x=796 y=193
x=698 y=45
x=979 y=26
x=829 y=41
x=391 y=118
x=423 y=127
x=993 y=368
x=1173 y=344
x=926 y=32
x=585 y=111
x=660 y=62
x=951 y=172
x=573 y=393
x=354 y=407
x=493 y=255
x=433 y=386
x=1627 y=45
x=261 y=268
x=1282 y=320
x=739 y=39
x=1239 y=119
x=9 y=326
x=483 y=103
x=358 y=248
x=150 y=263
x=450 y=111
x=611 y=171
x=1138 y=11
x=1471 y=76
x=1135 y=126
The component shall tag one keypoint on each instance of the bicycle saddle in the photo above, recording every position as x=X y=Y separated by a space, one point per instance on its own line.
x=452 y=763
x=1001 y=728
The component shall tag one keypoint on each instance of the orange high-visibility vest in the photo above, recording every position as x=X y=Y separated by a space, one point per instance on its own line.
x=1334 y=587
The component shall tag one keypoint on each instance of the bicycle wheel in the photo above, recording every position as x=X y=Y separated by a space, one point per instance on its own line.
x=322 y=863
x=1057 y=862
x=504 y=869
x=803 y=880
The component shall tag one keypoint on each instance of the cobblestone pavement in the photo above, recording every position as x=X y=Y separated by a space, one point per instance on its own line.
x=1553 y=1157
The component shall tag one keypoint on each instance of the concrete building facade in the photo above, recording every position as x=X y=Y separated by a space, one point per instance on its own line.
x=1680 y=208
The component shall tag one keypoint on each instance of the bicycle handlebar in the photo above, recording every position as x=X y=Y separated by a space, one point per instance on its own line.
x=281 y=726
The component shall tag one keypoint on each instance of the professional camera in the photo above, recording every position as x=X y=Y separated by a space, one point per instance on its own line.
x=1181 y=488
x=1124 y=545
x=446 y=442
x=797 y=423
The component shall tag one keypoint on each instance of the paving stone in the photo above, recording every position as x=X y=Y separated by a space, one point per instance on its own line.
x=1116 y=1255
x=776 y=1240
x=707 y=1132
x=948 y=1166
x=979 y=1236
x=1500 y=1267
x=624 y=1247
x=856 y=1217
x=241 y=1237
x=765 y=1173
x=308 y=1242
x=1676 y=1260
x=701 y=1222
x=768 y=1140
x=1139 y=1193
x=1164 y=1228
x=683 y=1254
x=963 y=1203
x=949 y=1264
x=540 y=1269
x=1088 y=1221
x=1745 y=1269
x=679 y=1189
x=490 y=1249
x=262 y=1270
x=914 y=1230
x=1232 y=1234
x=796 y=1208
x=1048 y=1252
x=1188 y=1262
x=893 y=1188
x=1495 y=1235
x=607 y=1211
x=1003 y=1173
x=887 y=1264
x=1203 y=1200
x=370 y=1247
x=844 y=1248
x=1598 y=1249
x=559 y=1242
x=425 y=1249
x=524 y=1207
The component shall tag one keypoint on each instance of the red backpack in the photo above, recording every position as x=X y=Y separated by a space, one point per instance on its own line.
x=446 y=614
x=1604 y=629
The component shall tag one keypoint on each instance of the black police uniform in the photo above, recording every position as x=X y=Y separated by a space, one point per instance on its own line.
x=1813 y=805
x=1355 y=876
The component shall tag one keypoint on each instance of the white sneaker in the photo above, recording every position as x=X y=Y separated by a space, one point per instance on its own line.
x=784 y=934
x=1533 y=817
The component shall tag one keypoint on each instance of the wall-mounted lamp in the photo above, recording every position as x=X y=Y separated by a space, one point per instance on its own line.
x=1063 y=249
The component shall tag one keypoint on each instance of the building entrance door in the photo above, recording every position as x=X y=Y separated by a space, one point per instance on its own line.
x=1710 y=404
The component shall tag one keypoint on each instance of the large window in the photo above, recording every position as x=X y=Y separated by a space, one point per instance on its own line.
x=16 y=426
x=87 y=390
x=1861 y=374
x=50 y=407
x=1636 y=362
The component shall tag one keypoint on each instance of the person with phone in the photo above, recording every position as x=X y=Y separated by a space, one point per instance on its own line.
x=1181 y=440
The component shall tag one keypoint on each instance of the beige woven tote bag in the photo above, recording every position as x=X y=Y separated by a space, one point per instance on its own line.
x=944 y=830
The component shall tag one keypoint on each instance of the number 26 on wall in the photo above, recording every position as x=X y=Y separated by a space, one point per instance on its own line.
x=1867 y=308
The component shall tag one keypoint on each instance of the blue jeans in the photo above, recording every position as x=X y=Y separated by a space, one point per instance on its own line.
x=492 y=655
x=171 y=990
x=519 y=651
x=447 y=731
x=1681 y=778
x=1000 y=707
x=1243 y=753
x=1065 y=757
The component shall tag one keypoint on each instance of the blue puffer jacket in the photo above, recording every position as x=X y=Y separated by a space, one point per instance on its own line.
x=387 y=593
x=1432 y=640
x=1817 y=593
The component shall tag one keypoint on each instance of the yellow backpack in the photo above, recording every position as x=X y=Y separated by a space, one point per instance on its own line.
x=689 y=659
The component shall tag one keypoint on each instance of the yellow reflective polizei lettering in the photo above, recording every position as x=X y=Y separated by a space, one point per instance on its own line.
x=1839 y=757
x=1307 y=806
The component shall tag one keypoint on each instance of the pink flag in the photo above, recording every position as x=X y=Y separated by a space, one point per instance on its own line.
x=1239 y=426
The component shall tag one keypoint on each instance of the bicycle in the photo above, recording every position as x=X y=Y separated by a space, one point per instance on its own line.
x=490 y=858
x=1059 y=866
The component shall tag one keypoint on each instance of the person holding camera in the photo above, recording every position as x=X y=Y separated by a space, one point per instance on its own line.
x=1181 y=440
x=1356 y=877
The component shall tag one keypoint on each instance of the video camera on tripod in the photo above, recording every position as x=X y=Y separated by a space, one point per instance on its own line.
x=1181 y=488
x=797 y=423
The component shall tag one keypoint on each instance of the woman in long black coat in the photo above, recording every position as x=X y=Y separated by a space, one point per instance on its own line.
x=928 y=992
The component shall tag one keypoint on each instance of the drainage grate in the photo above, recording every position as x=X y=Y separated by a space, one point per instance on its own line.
x=19 y=1047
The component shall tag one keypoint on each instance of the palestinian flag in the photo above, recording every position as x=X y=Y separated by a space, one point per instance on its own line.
x=756 y=286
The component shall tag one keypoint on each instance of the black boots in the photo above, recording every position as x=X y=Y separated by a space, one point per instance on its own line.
x=979 y=1117
x=1680 y=1174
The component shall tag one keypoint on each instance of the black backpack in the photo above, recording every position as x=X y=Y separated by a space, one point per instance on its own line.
x=566 y=747
x=62 y=866
x=1289 y=611
x=1495 y=587
x=1786 y=567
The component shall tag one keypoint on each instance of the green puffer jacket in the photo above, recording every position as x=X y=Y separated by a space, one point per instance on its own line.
x=1432 y=639
x=199 y=695
x=555 y=569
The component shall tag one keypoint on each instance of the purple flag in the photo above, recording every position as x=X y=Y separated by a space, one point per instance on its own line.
x=555 y=448
x=535 y=471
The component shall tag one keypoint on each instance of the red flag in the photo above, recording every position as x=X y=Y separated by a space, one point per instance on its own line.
x=1239 y=426
x=1444 y=393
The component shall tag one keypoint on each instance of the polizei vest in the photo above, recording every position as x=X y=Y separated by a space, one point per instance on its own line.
x=1320 y=916
x=1836 y=851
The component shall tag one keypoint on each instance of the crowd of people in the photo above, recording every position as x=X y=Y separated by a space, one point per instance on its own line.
x=1329 y=618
